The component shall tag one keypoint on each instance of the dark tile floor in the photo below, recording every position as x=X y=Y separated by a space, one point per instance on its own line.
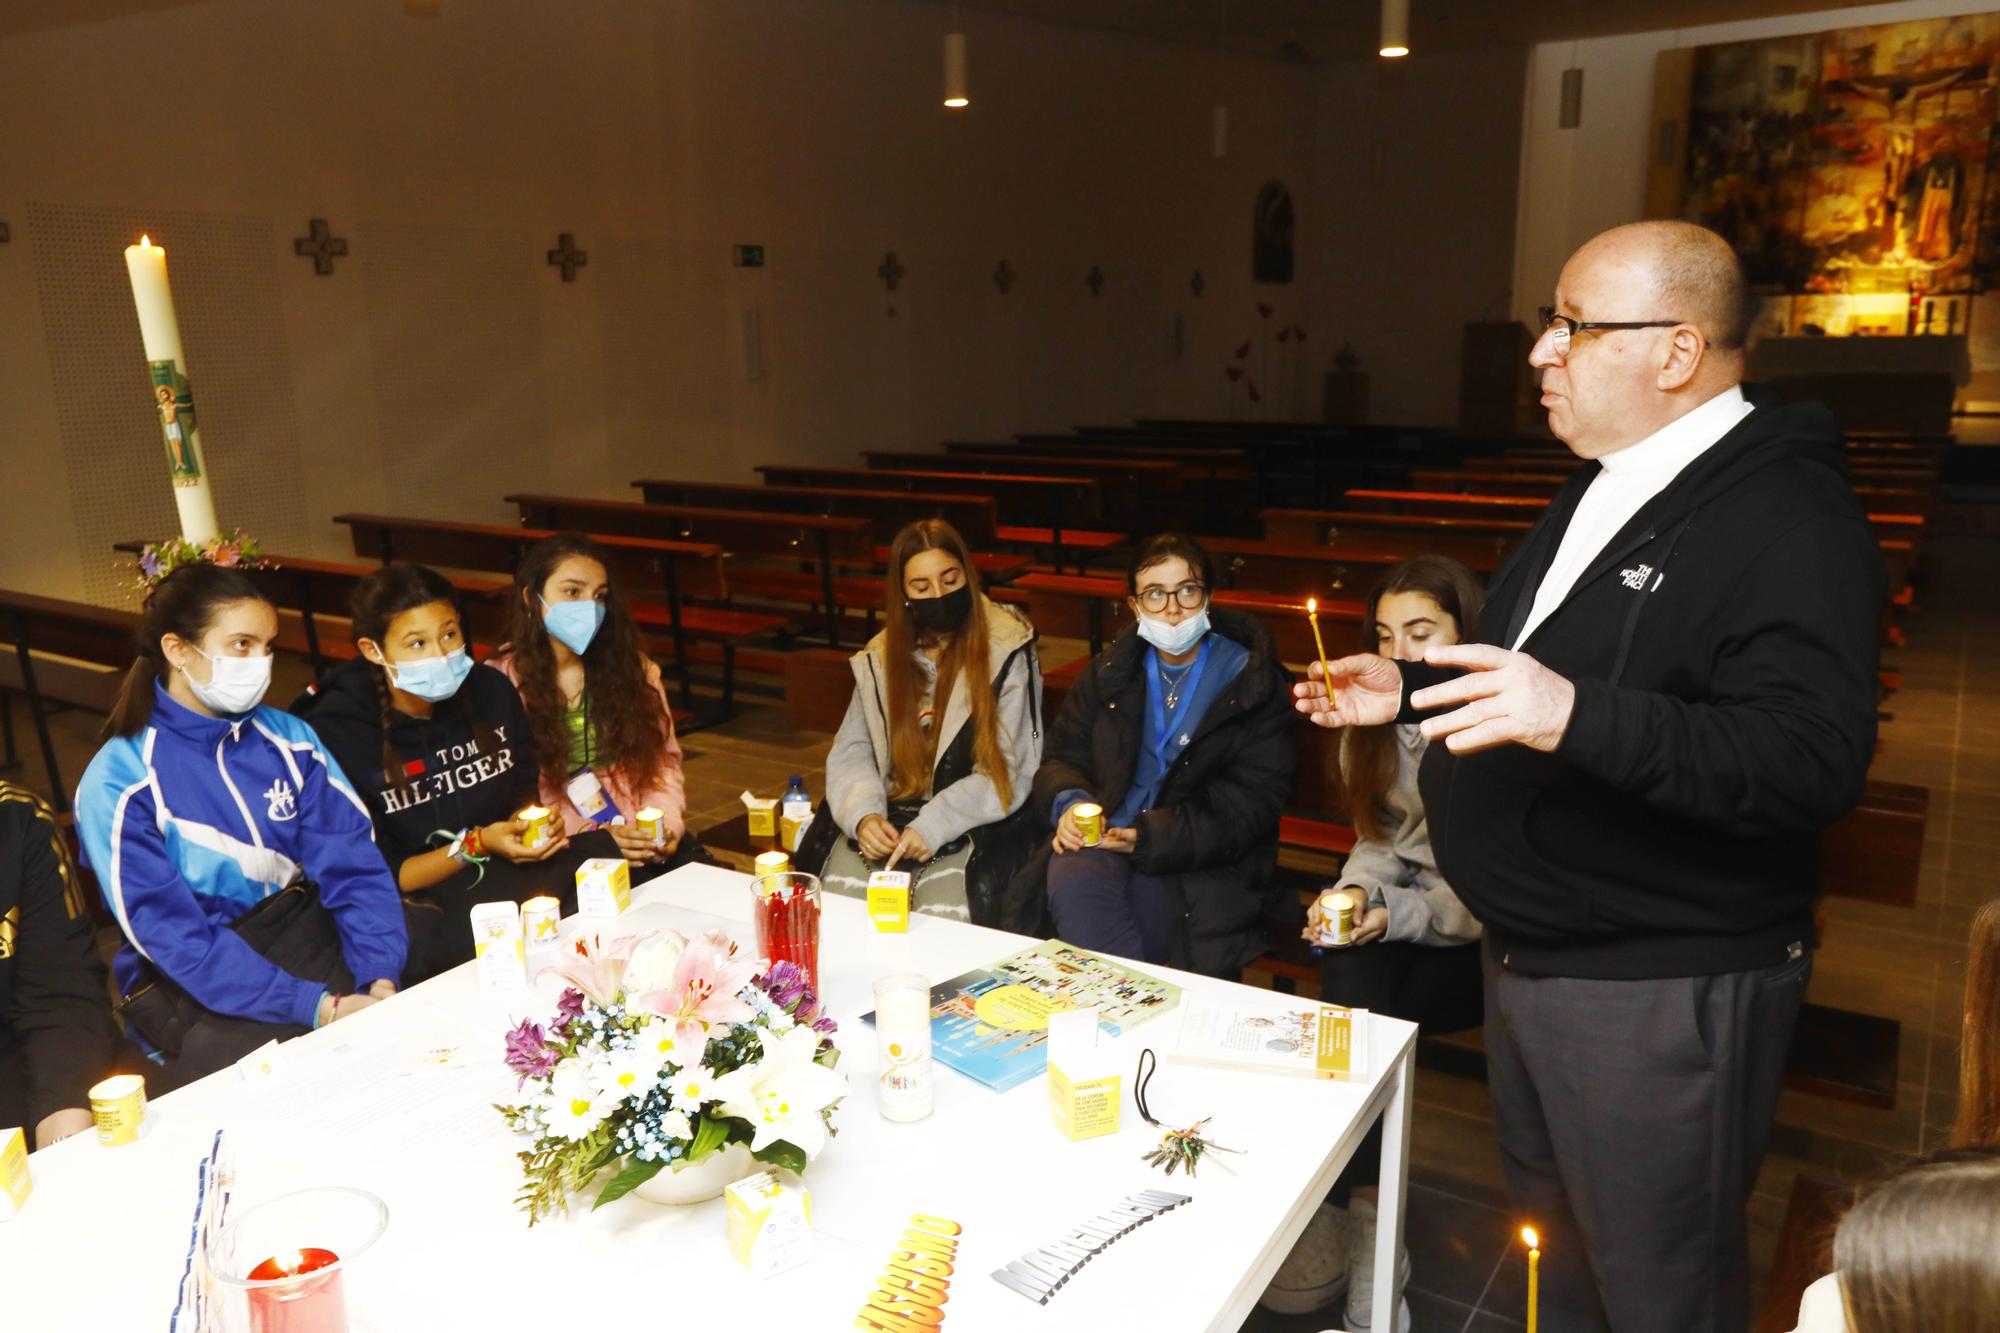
x=1906 y=964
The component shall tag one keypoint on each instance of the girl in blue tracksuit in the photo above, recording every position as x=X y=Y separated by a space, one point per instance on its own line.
x=201 y=804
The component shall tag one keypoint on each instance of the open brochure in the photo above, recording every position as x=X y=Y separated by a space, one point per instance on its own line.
x=1274 y=1036
x=991 y=1024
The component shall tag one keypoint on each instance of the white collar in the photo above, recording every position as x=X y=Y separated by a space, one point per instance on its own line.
x=1673 y=446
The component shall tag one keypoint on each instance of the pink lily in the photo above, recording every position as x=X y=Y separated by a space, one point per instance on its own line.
x=596 y=970
x=706 y=988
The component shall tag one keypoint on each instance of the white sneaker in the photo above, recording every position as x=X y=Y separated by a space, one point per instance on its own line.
x=1361 y=1271
x=1314 y=1272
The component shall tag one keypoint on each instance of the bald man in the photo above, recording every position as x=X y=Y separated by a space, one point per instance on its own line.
x=1676 y=694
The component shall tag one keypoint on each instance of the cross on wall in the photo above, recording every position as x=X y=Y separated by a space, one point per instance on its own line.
x=321 y=246
x=891 y=272
x=567 y=257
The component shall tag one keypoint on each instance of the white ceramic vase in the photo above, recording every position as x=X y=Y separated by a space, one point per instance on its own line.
x=706 y=1179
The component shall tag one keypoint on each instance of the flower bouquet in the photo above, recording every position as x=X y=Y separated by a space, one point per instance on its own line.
x=663 y=1051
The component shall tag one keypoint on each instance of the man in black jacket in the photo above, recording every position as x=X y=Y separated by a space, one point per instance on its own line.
x=1676 y=695
x=56 y=1033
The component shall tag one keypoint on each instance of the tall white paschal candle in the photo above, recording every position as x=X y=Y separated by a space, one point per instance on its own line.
x=173 y=397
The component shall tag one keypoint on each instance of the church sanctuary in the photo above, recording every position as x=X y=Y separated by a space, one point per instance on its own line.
x=1000 y=666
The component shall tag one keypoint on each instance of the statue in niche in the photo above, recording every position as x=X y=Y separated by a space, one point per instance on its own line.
x=1271 y=235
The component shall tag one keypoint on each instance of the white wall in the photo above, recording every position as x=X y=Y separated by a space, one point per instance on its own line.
x=1576 y=183
x=444 y=363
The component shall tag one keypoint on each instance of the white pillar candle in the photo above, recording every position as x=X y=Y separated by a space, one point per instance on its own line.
x=173 y=397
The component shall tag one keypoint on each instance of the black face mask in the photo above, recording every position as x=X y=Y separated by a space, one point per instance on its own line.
x=940 y=615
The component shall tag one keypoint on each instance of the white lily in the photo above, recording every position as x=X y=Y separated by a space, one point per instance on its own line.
x=652 y=965
x=783 y=1094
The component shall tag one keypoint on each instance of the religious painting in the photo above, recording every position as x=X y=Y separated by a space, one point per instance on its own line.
x=1852 y=161
x=1271 y=235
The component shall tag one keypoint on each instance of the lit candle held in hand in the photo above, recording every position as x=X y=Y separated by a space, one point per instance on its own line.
x=302 y=1297
x=1534 y=1274
x=1312 y=618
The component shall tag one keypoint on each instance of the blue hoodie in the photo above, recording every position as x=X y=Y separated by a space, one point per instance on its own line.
x=194 y=820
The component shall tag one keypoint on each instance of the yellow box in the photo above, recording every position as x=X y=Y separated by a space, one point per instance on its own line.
x=1085 y=1096
x=889 y=900
x=603 y=886
x=15 y=1183
x=118 y=1105
x=770 y=1223
x=1086 y=1108
x=763 y=815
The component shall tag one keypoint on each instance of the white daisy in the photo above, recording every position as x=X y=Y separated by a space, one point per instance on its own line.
x=694 y=1086
x=628 y=1074
x=576 y=1105
x=675 y=1125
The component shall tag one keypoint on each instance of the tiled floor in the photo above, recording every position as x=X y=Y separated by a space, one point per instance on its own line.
x=1906 y=964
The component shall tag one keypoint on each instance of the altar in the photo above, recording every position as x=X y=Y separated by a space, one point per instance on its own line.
x=1877 y=384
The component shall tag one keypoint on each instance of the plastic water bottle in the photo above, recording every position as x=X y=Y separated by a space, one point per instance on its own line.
x=795 y=811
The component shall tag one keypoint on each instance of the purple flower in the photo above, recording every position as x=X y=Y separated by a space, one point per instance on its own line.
x=824 y=1025
x=529 y=1053
x=149 y=563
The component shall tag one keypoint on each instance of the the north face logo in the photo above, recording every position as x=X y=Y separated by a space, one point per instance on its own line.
x=282 y=804
x=1635 y=579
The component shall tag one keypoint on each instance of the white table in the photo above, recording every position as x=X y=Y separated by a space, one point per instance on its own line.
x=101 y=1243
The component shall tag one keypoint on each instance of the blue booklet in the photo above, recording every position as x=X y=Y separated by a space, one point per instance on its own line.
x=992 y=1024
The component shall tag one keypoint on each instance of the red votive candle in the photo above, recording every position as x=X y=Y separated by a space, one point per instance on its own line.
x=313 y=1303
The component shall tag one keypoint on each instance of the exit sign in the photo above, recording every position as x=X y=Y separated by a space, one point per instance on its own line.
x=749 y=256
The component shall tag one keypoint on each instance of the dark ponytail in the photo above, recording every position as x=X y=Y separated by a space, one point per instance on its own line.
x=184 y=603
x=376 y=602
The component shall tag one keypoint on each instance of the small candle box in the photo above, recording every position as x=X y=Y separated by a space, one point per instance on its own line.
x=1084 y=1091
x=889 y=900
x=770 y=1223
x=762 y=812
x=496 y=946
x=15 y=1183
x=603 y=886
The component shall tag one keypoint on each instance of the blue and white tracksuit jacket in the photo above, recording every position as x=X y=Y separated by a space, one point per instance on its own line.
x=195 y=820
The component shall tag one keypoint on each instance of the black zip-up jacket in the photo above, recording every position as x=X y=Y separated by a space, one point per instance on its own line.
x=470 y=762
x=56 y=1034
x=1212 y=835
x=1724 y=649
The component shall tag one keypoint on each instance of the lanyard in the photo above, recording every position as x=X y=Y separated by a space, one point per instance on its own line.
x=1156 y=701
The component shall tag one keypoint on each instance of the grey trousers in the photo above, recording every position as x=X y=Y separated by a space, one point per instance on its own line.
x=1632 y=1118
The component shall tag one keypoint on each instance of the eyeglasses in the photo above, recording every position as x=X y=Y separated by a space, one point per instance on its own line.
x=1189 y=595
x=1561 y=328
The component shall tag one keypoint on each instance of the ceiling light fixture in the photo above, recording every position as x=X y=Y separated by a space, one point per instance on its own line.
x=1395 y=29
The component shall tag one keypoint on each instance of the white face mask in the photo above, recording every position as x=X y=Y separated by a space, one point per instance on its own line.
x=1172 y=639
x=235 y=684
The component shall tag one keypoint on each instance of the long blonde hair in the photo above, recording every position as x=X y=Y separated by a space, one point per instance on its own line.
x=1920 y=1253
x=1979 y=1043
x=967 y=652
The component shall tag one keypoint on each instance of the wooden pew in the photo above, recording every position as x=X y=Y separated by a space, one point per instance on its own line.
x=1202 y=464
x=1129 y=478
x=681 y=569
x=1453 y=505
x=1880 y=469
x=975 y=516
x=312 y=589
x=820 y=543
x=1039 y=510
x=1479 y=543
x=1544 y=484
x=65 y=655
x=1093 y=608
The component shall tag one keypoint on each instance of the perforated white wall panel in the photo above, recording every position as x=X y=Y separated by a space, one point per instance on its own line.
x=224 y=276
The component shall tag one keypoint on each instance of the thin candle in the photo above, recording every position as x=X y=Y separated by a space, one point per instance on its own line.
x=1312 y=618
x=1534 y=1274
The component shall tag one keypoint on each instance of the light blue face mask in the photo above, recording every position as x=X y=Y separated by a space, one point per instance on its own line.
x=575 y=623
x=434 y=679
x=1173 y=640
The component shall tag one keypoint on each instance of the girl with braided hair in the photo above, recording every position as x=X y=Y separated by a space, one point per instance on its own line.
x=441 y=753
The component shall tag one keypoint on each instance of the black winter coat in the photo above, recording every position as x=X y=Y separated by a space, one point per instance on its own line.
x=1212 y=836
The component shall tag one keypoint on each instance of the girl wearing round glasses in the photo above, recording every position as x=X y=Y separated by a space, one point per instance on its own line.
x=1179 y=731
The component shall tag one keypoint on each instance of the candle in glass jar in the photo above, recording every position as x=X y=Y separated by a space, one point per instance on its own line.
x=302 y=1298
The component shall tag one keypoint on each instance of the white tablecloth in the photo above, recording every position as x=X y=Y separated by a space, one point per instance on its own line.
x=101 y=1243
